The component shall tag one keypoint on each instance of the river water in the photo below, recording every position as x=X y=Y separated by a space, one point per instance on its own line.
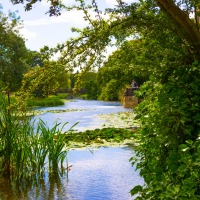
x=103 y=173
x=85 y=112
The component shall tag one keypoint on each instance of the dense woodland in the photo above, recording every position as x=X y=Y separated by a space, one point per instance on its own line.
x=159 y=46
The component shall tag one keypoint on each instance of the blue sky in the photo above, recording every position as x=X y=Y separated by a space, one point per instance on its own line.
x=40 y=29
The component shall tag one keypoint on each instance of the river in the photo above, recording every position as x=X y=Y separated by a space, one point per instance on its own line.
x=103 y=173
x=86 y=112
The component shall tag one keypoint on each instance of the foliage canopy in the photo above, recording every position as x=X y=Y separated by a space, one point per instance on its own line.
x=166 y=46
x=13 y=52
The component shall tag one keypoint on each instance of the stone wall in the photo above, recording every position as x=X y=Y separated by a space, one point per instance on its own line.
x=130 y=101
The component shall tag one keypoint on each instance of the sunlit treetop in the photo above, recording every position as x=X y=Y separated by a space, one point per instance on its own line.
x=139 y=19
x=179 y=11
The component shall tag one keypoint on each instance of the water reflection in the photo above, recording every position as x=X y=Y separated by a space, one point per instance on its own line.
x=104 y=174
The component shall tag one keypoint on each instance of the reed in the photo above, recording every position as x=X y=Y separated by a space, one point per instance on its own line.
x=26 y=148
x=6 y=137
x=38 y=154
x=55 y=143
x=15 y=135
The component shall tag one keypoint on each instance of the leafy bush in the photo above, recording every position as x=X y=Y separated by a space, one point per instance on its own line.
x=169 y=139
x=62 y=95
x=46 y=102
x=83 y=96
x=110 y=91
x=91 y=88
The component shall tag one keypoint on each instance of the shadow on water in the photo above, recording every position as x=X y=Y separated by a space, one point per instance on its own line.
x=103 y=174
x=46 y=188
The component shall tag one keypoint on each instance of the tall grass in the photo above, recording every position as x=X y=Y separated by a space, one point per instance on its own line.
x=54 y=141
x=14 y=129
x=25 y=150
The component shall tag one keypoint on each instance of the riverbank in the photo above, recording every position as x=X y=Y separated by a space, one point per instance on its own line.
x=52 y=100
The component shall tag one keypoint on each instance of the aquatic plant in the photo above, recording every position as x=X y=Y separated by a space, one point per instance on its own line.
x=24 y=149
x=53 y=138
x=100 y=137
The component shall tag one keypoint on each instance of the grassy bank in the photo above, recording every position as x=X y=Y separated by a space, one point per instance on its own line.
x=57 y=100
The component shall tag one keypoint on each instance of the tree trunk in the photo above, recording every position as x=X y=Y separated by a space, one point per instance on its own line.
x=183 y=20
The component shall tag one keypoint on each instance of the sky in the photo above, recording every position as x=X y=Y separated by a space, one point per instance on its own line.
x=39 y=29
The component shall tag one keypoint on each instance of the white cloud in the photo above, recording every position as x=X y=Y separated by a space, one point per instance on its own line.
x=72 y=18
x=36 y=22
x=111 y=3
x=110 y=49
x=28 y=34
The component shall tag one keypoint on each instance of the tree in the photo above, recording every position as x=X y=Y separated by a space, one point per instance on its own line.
x=13 y=53
x=89 y=83
x=168 y=138
x=54 y=9
x=109 y=92
x=119 y=68
x=40 y=81
x=179 y=12
x=181 y=17
x=35 y=59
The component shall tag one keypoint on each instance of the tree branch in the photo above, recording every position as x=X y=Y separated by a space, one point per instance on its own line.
x=182 y=19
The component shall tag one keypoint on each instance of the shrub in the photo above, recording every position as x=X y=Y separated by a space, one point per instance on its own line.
x=62 y=95
x=110 y=91
x=169 y=139
x=46 y=102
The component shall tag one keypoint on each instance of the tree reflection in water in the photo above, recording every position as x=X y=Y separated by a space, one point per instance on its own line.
x=104 y=174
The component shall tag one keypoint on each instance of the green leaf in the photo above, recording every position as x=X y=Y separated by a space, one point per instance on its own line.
x=176 y=189
x=190 y=142
x=136 y=189
x=183 y=147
